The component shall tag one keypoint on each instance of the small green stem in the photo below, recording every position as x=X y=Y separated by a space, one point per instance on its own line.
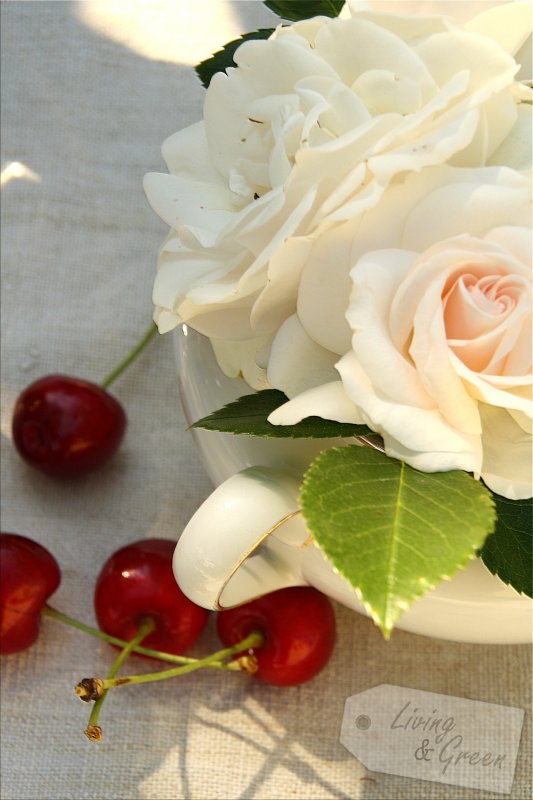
x=94 y=731
x=132 y=355
x=252 y=641
x=48 y=611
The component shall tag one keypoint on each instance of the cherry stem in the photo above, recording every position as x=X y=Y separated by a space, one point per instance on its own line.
x=48 y=611
x=253 y=641
x=93 y=730
x=132 y=355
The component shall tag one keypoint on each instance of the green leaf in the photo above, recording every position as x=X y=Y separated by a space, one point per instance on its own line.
x=223 y=59
x=508 y=552
x=303 y=9
x=248 y=415
x=391 y=531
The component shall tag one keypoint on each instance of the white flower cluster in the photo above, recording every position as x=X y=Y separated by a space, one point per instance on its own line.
x=350 y=224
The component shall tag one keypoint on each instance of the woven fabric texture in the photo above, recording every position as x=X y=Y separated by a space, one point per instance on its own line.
x=86 y=101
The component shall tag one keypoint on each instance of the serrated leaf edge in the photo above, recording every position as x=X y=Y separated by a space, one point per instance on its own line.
x=241 y=39
x=502 y=579
x=426 y=586
x=211 y=418
x=505 y=581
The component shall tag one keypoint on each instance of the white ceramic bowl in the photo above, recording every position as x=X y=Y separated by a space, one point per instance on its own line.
x=474 y=606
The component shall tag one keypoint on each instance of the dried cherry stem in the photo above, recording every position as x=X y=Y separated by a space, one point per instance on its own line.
x=93 y=730
x=93 y=688
x=132 y=355
x=48 y=611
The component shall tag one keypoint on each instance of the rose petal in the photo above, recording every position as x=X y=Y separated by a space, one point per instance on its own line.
x=431 y=355
x=322 y=301
x=523 y=422
x=515 y=150
x=382 y=91
x=289 y=225
x=238 y=359
x=489 y=67
x=518 y=356
x=333 y=104
x=277 y=300
x=524 y=57
x=165 y=320
x=326 y=166
x=266 y=68
x=186 y=154
x=498 y=116
x=476 y=308
x=376 y=48
x=515 y=240
x=376 y=278
x=296 y=362
x=179 y=201
x=433 y=145
x=484 y=200
x=493 y=340
x=418 y=436
x=509 y=25
x=460 y=11
x=220 y=320
x=177 y=276
x=507 y=454
x=495 y=390
x=328 y=401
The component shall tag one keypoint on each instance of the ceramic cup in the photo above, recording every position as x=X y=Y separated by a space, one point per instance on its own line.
x=249 y=538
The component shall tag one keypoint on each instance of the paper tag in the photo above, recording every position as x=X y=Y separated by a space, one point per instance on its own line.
x=433 y=737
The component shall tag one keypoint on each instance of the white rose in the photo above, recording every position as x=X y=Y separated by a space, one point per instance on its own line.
x=460 y=10
x=309 y=131
x=435 y=340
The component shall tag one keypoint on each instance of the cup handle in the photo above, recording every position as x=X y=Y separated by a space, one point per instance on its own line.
x=245 y=540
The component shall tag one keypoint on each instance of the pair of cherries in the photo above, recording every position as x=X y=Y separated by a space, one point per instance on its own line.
x=296 y=625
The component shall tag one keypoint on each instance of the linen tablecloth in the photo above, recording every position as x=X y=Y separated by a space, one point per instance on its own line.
x=89 y=91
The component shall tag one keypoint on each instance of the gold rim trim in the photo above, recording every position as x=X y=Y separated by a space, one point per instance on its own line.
x=310 y=539
x=248 y=553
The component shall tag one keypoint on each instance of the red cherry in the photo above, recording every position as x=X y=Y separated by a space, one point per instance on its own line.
x=29 y=574
x=138 y=582
x=299 y=629
x=65 y=426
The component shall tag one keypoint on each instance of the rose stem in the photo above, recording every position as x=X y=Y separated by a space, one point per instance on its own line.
x=132 y=355
x=93 y=730
x=97 y=685
x=48 y=611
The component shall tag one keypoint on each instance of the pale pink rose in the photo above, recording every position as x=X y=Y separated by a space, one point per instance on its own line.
x=436 y=340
